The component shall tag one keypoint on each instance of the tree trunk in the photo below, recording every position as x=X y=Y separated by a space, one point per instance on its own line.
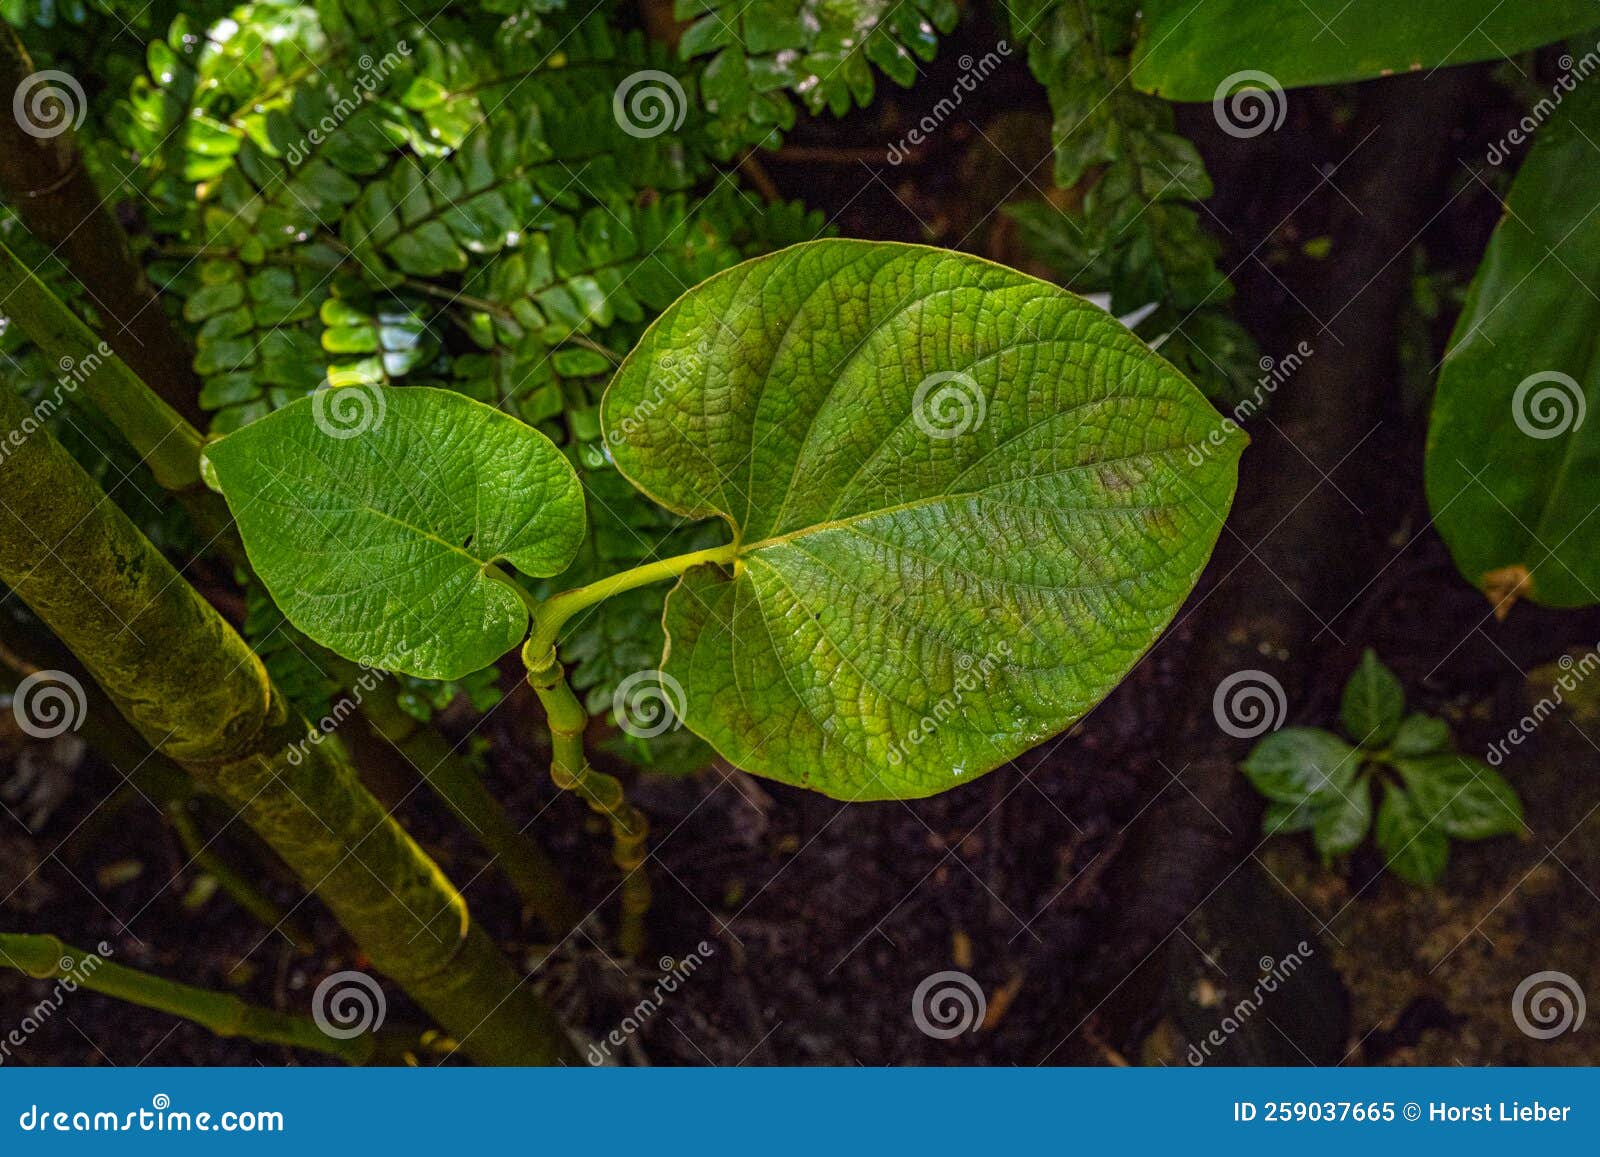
x=43 y=179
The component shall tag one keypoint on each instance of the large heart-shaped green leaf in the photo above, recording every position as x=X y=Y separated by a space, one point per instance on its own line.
x=1513 y=470
x=1188 y=48
x=965 y=503
x=376 y=519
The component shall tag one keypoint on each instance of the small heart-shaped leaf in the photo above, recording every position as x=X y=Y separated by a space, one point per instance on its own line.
x=965 y=503
x=377 y=518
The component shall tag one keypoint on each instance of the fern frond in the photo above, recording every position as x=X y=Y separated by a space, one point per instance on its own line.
x=821 y=51
x=1136 y=235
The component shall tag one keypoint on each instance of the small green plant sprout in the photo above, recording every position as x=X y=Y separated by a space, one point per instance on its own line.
x=1429 y=794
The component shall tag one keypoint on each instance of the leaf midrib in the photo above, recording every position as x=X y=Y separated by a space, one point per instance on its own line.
x=420 y=532
x=934 y=499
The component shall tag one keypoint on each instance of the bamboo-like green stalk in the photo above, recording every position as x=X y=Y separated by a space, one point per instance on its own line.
x=172 y=447
x=571 y=771
x=43 y=178
x=453 y=780
x=47 y=958
x=158 y=434
x=150 y=776
x=193 y=688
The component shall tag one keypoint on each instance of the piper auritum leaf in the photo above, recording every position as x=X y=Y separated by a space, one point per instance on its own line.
x=377 y=518
x=964 y=503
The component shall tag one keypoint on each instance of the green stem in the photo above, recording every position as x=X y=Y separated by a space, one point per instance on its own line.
x=244 y=893
x=47 y=958
x=569 y=767
x=455 y=782
x=161 y=436
x=152 y=428
x=44 y=179
x=158 y=434
x=194 y=689
x=570 y=771
x=552 y=614
x=451 y=297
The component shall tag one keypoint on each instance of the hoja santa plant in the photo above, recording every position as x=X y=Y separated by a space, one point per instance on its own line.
x=959 y=506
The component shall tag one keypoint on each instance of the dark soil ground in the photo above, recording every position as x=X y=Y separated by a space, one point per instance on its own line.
x=822 y=918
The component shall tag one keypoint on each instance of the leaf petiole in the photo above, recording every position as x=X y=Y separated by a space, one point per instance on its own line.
x=553 y=613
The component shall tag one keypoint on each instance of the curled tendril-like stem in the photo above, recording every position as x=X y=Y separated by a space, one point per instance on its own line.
x=570 y=771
